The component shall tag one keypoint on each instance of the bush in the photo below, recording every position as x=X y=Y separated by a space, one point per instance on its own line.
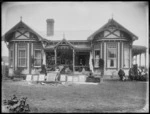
x=43 y=70
x=18 y=74
x=5 y=71
x=135 y=74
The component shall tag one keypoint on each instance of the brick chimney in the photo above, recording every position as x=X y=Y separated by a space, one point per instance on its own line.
x=50 y=27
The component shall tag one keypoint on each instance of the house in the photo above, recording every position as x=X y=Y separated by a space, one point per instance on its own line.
x=29 y=49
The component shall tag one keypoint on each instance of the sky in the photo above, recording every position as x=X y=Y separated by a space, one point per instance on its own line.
x=77 y=16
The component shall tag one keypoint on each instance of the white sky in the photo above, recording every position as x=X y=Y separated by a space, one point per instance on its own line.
x=77 y=16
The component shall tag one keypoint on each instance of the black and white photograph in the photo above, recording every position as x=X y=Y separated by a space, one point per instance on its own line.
x=75 y=57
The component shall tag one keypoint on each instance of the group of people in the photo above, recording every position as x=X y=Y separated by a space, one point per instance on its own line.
x=134 y=74
x=121 y=73
x=58 y=71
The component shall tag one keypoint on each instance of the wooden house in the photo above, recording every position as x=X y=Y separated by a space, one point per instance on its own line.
x=28 y=49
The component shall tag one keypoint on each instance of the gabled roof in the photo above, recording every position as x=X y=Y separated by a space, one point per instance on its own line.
x=13 y=29
x=85 y=45
x=64 y=40
x=134 y=37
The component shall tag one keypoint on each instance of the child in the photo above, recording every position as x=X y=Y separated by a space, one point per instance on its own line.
x=58 y=73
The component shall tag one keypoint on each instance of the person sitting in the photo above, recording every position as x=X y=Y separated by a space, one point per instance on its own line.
x=121 y=74
x=67 y=70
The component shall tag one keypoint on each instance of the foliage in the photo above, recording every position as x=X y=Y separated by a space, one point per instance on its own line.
x=93 y=62
x=101 y=66
x=136 y=74
x=18 y=73
x=5 y=71
x=43 y=69
x=15 y=105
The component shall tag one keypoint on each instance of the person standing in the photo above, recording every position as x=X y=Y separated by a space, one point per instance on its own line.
x=57 y=74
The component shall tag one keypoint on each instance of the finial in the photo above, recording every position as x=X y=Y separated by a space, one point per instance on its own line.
x=20 y=18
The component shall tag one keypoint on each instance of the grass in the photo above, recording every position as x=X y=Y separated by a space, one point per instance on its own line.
x=109 y=96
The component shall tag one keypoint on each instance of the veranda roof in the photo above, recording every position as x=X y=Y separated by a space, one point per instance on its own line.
x=79 y=47
x=136 y=49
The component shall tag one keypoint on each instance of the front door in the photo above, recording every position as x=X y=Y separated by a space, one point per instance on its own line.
x=65 y=56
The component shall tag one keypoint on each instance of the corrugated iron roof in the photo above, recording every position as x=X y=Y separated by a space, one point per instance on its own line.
x=136 y=49
x=67 y=34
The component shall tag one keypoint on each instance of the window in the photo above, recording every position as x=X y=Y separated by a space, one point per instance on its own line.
x=11 y=58
x=37 y=57
x=22 y=58
x=126 y=55
x=111 y=55
x=97 y=57
x=22 y=55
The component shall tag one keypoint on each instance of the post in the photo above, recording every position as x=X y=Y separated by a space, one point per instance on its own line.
x=136 y=59
x=73 y=60
x=16 y=53
x=118 y=61
x=55 y=57
x=44 y=58
x=140 y=60
x=145 y=59
x=122 y=55
x=28 y=59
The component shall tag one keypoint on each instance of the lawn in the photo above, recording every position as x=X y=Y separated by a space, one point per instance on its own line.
x=109 y=96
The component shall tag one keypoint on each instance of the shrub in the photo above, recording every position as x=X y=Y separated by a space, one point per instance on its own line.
x=18 y=73
x=5 y=70
x=135 y=74
x=43 y=70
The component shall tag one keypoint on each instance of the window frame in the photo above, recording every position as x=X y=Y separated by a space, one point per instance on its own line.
x=25 y=57
x=114 y=50
x=95 y=57
x=38 y=59
x=126 y=46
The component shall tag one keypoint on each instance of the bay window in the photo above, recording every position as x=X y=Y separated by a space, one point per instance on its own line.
x=37 y=57
x=22 y=55
x=111 y=55
x=126 y=55
x=97 y=57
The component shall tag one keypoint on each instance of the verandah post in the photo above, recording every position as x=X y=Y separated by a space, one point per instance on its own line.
x=73 y=60
x=55 y=51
